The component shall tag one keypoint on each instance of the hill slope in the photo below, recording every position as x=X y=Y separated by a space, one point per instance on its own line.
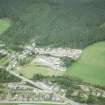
x=74 y=23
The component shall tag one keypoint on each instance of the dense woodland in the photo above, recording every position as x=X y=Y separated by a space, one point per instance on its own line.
x=7 y=77
x=72 y=23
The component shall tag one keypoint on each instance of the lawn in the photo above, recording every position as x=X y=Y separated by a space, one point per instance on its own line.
x=30 y=69
x=91 y=66
x=4 y=25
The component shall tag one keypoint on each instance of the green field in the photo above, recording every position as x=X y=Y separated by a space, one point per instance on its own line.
x=91 y=66
x=4 y=25
x=31 y=69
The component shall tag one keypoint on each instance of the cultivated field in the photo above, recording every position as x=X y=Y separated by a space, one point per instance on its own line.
x=91 y=66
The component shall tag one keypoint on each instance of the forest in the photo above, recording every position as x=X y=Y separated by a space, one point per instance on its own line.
x=66 y=23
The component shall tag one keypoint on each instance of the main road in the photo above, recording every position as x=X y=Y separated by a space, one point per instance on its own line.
x=32 y=102
x=67 y=101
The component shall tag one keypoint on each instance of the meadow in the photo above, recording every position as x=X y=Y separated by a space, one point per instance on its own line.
x=30 y=70
x=4 y=25
x=91 y=66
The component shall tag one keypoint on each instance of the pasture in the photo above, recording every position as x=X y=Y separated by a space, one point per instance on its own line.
x=91 y=66
x=30 y=69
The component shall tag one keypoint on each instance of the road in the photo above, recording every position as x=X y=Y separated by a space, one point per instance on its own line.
x=33 y=102
x=24 y=79
x=34 y=84
x=68 y=101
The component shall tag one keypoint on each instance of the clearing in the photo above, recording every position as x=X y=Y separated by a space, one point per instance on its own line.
x=4 y=25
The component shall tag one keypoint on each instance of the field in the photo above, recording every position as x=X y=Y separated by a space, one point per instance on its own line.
x=31 y=69
x=91 y=66
x=4 y=25
x=71 y=23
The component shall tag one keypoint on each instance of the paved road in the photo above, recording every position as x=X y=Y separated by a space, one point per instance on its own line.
x=24 y=79
x=32 y=102
x=34 y=84
x=39 y=102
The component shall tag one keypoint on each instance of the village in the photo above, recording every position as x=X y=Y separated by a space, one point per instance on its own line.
x=44 y=56
x=20 y=92
x=41 y=91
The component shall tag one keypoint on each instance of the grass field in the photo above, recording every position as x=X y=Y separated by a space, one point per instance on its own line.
x=31 y=69
x=91 y=66
x=4 y=25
